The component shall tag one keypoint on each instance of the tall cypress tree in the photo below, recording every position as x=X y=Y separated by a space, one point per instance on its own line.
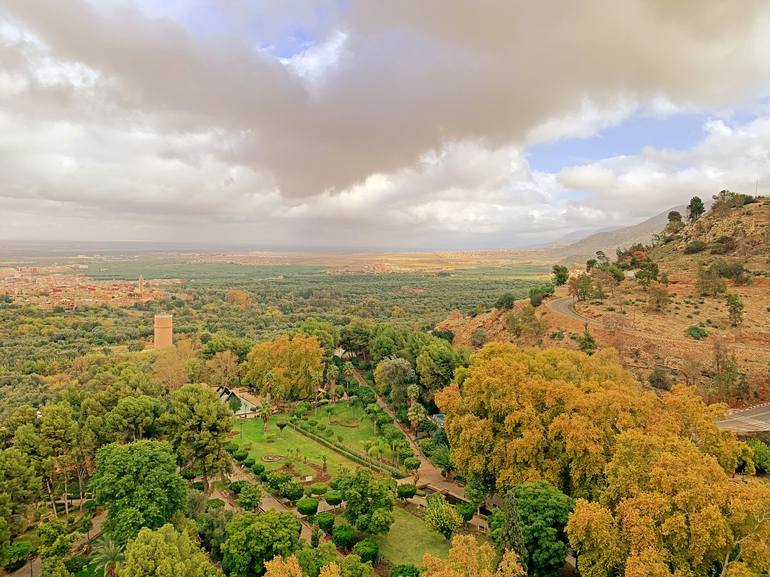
x=507 y=535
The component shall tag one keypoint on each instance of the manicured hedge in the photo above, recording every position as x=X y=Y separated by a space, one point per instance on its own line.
x=307 y=506
x=325 y=521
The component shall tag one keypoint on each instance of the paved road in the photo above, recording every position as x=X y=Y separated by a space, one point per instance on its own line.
x=565 y=306
x=753 y=420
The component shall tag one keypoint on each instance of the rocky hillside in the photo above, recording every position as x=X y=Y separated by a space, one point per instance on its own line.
x=731 y=228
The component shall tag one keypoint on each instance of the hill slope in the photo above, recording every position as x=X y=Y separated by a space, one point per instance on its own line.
x=609 y=241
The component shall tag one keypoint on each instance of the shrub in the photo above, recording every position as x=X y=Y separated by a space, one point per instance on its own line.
x=307 y=506
x=188 y=475
x=258 y=469
x=318 y=488
x=404 y=571
x=241 y=455
x=325 y=521
x=76 y=563
x=292 y=490
x=17 y=554
x=198 y=486
x=696 y=332
x=505 y=301
x=249 y=463
x=694 y=247
x=344 y=536
x=406 y=491
x=367 y=549
x=659 y=380
x=412 y=463
x=333 y=498
x=277 y=478
x=466 y=510
x=231 y=448
x=215 y=504
x=761 y=455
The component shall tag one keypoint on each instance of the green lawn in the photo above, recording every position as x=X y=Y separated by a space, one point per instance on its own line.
x=287 y=443
x=348 y=421
x=409 y=539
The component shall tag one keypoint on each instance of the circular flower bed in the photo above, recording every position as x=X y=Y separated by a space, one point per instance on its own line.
x=273 y=458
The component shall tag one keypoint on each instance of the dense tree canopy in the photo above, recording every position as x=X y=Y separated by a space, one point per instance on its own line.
x=200 y=423
x=166 y=552
x=287 y=368
x=254 y=538
x=556 y=415
x=139 y=485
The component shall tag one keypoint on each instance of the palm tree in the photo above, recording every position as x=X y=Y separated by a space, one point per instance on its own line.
x=108 y=557
x=265 y=411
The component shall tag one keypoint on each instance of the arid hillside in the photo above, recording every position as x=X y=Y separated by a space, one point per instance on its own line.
x=695 y=308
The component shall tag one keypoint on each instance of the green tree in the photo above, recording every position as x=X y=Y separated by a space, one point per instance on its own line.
x=108 y=557
x=505 y=528
x=560 y=274
x=734 y=308
x=200 y=424
x=441 y=517
x=166 y=552
x=355 y=336
x=139 y=485
x=369 y=500
x=249 y=497
x=436 y=364
x=587 y=342
x=392 y=377
x=58 y=435
x=254 y=538
x=132 y=417
x=505 y=301
x=544 y=511
x=695 y=209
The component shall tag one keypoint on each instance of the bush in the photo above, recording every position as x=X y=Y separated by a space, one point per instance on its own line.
x=406 y=491
x=198 y=486
x=17 y=554
x=367 y=549
x=76 y=563
x=505 y=301
x=344 y=536
x=333 y=498
x=466 y=510
x=404 y=571
x=761 y=455
x=249 y=463
x=231 y=448
x=318 y=488
x=236 y=487
x=216 y=504
x=292 y=490
x=694 y=247
x=241 y=455
x=188 y=475
x=258 y=469
x=307 y=506
x=325 y=521
x=277 y=478
x=659 y=380
x=696 y=332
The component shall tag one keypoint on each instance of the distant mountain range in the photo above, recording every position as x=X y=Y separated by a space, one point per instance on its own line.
x=609 y=240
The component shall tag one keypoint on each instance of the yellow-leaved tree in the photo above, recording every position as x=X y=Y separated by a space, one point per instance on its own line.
x=469 y=558
x=286 y=368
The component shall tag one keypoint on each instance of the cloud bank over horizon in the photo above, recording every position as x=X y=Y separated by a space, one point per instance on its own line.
x=395 y=124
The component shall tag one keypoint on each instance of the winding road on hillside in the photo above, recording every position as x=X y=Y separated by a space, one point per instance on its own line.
x=752 y=420
x=565 y=306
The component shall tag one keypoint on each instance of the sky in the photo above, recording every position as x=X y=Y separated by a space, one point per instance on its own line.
x=362 y=123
